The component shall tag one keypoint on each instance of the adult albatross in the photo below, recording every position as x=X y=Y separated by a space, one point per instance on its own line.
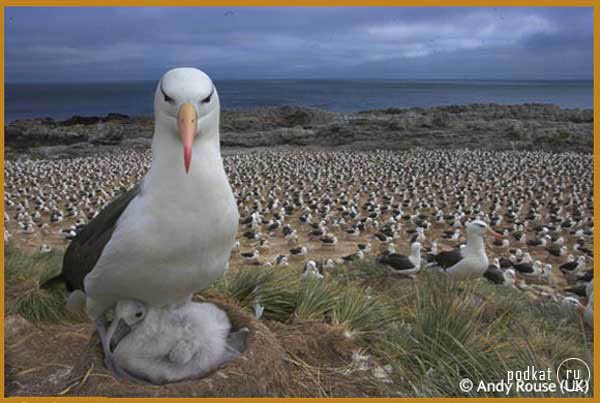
x=469 y=261
x=171 y=234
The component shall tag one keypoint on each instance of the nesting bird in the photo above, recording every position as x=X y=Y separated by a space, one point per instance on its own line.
x=402 y=264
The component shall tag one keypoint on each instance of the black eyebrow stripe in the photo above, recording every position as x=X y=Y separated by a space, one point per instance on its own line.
x=163 y=91
x=209 y=95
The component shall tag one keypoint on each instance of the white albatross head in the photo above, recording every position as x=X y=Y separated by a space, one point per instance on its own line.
x=479 y=228
x=186 y=106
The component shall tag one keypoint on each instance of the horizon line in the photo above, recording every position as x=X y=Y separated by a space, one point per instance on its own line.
x=306 y=79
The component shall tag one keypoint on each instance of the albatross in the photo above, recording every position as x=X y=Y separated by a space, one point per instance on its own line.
x=402 y=264
x=170 y=235
x=469 y=261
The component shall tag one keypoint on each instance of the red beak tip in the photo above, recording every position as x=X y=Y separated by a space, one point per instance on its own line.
x=187 y=158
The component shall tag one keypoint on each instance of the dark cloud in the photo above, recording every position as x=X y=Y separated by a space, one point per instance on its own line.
x=111 y=44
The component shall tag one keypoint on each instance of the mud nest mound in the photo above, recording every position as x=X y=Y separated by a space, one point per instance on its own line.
x=298 y=359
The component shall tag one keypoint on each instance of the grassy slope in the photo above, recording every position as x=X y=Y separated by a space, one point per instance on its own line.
x=432 y=331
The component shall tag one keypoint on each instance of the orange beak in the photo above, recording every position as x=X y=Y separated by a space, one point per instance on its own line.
x=186 y=123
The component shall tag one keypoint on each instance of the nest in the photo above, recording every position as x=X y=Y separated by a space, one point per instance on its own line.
x=298 y=359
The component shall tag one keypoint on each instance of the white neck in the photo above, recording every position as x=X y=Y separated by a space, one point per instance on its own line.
x=415 y=257
x=475 y=244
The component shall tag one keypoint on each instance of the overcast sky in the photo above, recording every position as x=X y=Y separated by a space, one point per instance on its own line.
x=121 y=44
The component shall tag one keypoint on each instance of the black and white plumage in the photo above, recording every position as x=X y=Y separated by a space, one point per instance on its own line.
x=299 y=251
x=529 y=269
x=170 y=235
x=329 y=240
x=471 y=260
x=573 y=266
x=281 y=260
x=556 y=250
x=402 y=264
x=499 y=276
x=431 y=253
x=506 y=263
x=359 y=255
x=580 y=248
x=312 y=270
x=538 y=241
x=448 y=258
x=251 y=256
x=365 y=247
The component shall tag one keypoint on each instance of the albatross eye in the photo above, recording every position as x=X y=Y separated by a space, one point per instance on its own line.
x=207 y=99
x=138 y=314
x=166 y=97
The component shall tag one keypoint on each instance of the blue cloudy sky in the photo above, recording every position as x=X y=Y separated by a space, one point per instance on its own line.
x=121 y=44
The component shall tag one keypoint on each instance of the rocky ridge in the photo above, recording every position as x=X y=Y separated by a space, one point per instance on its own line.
x=482 y=126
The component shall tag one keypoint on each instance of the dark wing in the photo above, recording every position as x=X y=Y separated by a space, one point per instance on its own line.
x=569 y=266
x=494 y=275
x=430 y=257
x=523 y=268
x=397 y=262
x=448 y=258
x=587 y=276
x=85 y=249
x=578 y=290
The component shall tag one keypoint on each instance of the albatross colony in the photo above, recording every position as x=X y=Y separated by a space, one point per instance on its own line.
x=335 y=207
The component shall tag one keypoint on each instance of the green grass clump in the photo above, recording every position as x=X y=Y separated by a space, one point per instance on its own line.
x=20 y=266
x=286 y=296
x=475 y=330
x=315 y=300
x=43 y=306
x=27 y=271
x=359 y=311
x=273 y=289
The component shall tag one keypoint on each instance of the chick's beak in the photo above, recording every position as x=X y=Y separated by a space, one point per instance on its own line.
x=117 y=332
x=187 y=124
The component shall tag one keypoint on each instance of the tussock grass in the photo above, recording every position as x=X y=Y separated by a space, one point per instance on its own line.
x=22 y=267
x=286 y=297
x=315 y=300
x=475 y=330
x=273 y=289
x=43 y=306
x=28 y=271
x=431 y=330
x=360 y=312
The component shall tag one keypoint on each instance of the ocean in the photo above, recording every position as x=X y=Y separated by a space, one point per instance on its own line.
x=61 y=101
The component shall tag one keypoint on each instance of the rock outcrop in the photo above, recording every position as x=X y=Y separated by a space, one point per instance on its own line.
x=490 y=126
